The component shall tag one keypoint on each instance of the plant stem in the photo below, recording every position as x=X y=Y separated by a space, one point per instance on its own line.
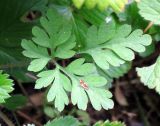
x=6 y=119
x=25 y=93
x=142 y=114
x=15 y=116
x=148 y=27
x=28 y=118
x=31 y=76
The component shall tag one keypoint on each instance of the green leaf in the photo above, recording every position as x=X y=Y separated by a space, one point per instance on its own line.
x=6 y=86
x=68 y=121
x=50 y=112
x=16 y=101
x=114 y=72
x=90 y=84
x=117 y=5
x=13 y=27
x=59 y=82
x=40 y=55
x=64 y=51
x=78 y=3
x=79 y=79
x=54 y=40
x=16 y=67
x=132 y=17
x=95 y=17
x=79 y=68
x=150 y=76
x=108 y=123
x=149 y=50
x=84 y=116
x=57 y=27
x=117 y=48
x=150 y=10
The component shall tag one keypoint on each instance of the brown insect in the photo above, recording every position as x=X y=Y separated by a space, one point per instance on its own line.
x=83 y=85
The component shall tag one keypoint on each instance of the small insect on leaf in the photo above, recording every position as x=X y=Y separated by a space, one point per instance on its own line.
x=83 y=85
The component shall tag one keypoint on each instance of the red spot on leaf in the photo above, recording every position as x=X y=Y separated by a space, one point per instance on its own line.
x=83 y=85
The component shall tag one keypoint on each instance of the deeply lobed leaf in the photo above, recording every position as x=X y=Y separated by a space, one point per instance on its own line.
x=77 y=78
x=59 y=85
x=54 y=40
x=113 y=46
x=88 y=86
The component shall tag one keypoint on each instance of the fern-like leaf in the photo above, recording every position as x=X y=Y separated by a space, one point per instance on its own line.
x=77 y=78
x=59 y=84
x=109 y=45
x=88 y=85
x=54 y=40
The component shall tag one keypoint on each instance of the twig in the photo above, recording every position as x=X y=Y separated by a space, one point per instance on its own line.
x=142 y=114
x=33 y=15
x=15 y=116
x=31 y=76
x=123 y=83
x=25 y=93
x=19 y=65
x=63 y=63
x=28 y=118
x=148 y=27
x=6 y=119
